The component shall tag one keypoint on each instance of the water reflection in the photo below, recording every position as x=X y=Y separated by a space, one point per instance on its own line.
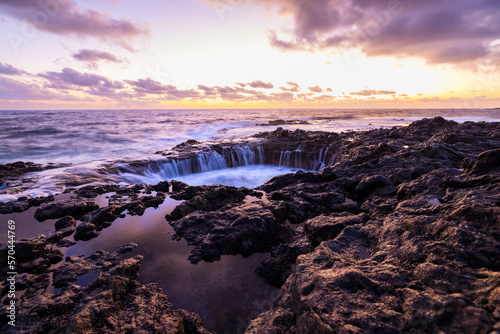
x=226 y=294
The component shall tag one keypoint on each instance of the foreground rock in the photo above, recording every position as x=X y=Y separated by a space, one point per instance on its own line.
x=110 y=301
x=400 y=234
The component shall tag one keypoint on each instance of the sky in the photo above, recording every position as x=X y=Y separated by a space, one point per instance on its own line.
x=117 y=54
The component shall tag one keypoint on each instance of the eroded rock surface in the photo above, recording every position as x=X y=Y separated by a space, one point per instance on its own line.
x=110 y=301
x=400 y=234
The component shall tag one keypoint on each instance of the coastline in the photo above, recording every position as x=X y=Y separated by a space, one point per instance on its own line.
x=398 y=233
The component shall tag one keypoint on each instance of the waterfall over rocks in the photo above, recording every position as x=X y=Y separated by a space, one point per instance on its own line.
x=281 y=148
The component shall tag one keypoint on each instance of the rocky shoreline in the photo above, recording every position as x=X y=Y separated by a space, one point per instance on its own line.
x=399 y=231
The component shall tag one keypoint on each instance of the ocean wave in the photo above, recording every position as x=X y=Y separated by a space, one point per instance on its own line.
x=40 y=132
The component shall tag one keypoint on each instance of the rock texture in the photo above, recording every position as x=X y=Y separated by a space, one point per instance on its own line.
x=400 y=234
x=397 y=231
x=423 y=256
x=64 y=300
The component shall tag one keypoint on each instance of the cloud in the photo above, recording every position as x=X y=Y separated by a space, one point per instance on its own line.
x=284 y=96
x=69 y=19
x=257 y=84
x=209 y=91
x=370 y=92
x=294 y=87
x=94 y=56
x=70 y=79
x=8 y=69
x=170 y=92
x=11 y=89
x=464 y=33
x=315 y=89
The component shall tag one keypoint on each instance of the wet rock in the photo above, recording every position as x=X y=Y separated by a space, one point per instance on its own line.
x=18 y=168
x=65 y=222
x=86 y=231
x=75 y=208
x=112 y=302
x=65 y=243
x=103 y=217
x=323 y=228
x=279 y=266
x=242 y=230
x=390 y=236
x=23 y=204
x=70 y=271
x=206 y=199
x=163 y=186
x=283 y=122
x=127 y=248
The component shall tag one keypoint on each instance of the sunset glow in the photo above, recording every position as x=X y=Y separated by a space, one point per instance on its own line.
x=73 y=54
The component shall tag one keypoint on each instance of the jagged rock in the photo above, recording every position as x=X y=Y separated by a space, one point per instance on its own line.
x=103 y=217
x=65 y=222
x=488 y=161
x=241 y=230
x=206 y=199
x=86 y=231
x=112 y=303
x=75 y=208
x=23 y=204
x=389 y=236
x=323 y=228
x=70 y=271
x=279 y=266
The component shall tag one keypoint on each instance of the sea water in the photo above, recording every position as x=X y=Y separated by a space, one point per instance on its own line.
x=87 y=139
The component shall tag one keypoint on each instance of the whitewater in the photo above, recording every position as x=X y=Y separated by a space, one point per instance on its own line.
x=87 y=140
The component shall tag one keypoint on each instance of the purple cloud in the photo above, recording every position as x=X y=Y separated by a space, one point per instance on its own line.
x=261 y=84
x=92 y=84
x=10 y=70
x=315 y=89
x=209 y=91
x=440 y=31
x=149 y=86
x=68 y=18
x=370 y=92
x=93 y=56
x=11 y=89
x=294 y=87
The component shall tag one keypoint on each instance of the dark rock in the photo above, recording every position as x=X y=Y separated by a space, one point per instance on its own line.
x=112 y=302
x=86 y=231
x=103 y=217
x=371 y=183
x=127 y=248
x=283 y=122
x=279 y=266
x=242 y=230
x=70 y=271
x=206 y=199
x=65 y=222
x=75 y=208
x=488 y=161
x=323 y=228
x=163 y=186
x=65 y=243
x=23 y=204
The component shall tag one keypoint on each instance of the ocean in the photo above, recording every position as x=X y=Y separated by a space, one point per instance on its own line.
x=86 y=139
